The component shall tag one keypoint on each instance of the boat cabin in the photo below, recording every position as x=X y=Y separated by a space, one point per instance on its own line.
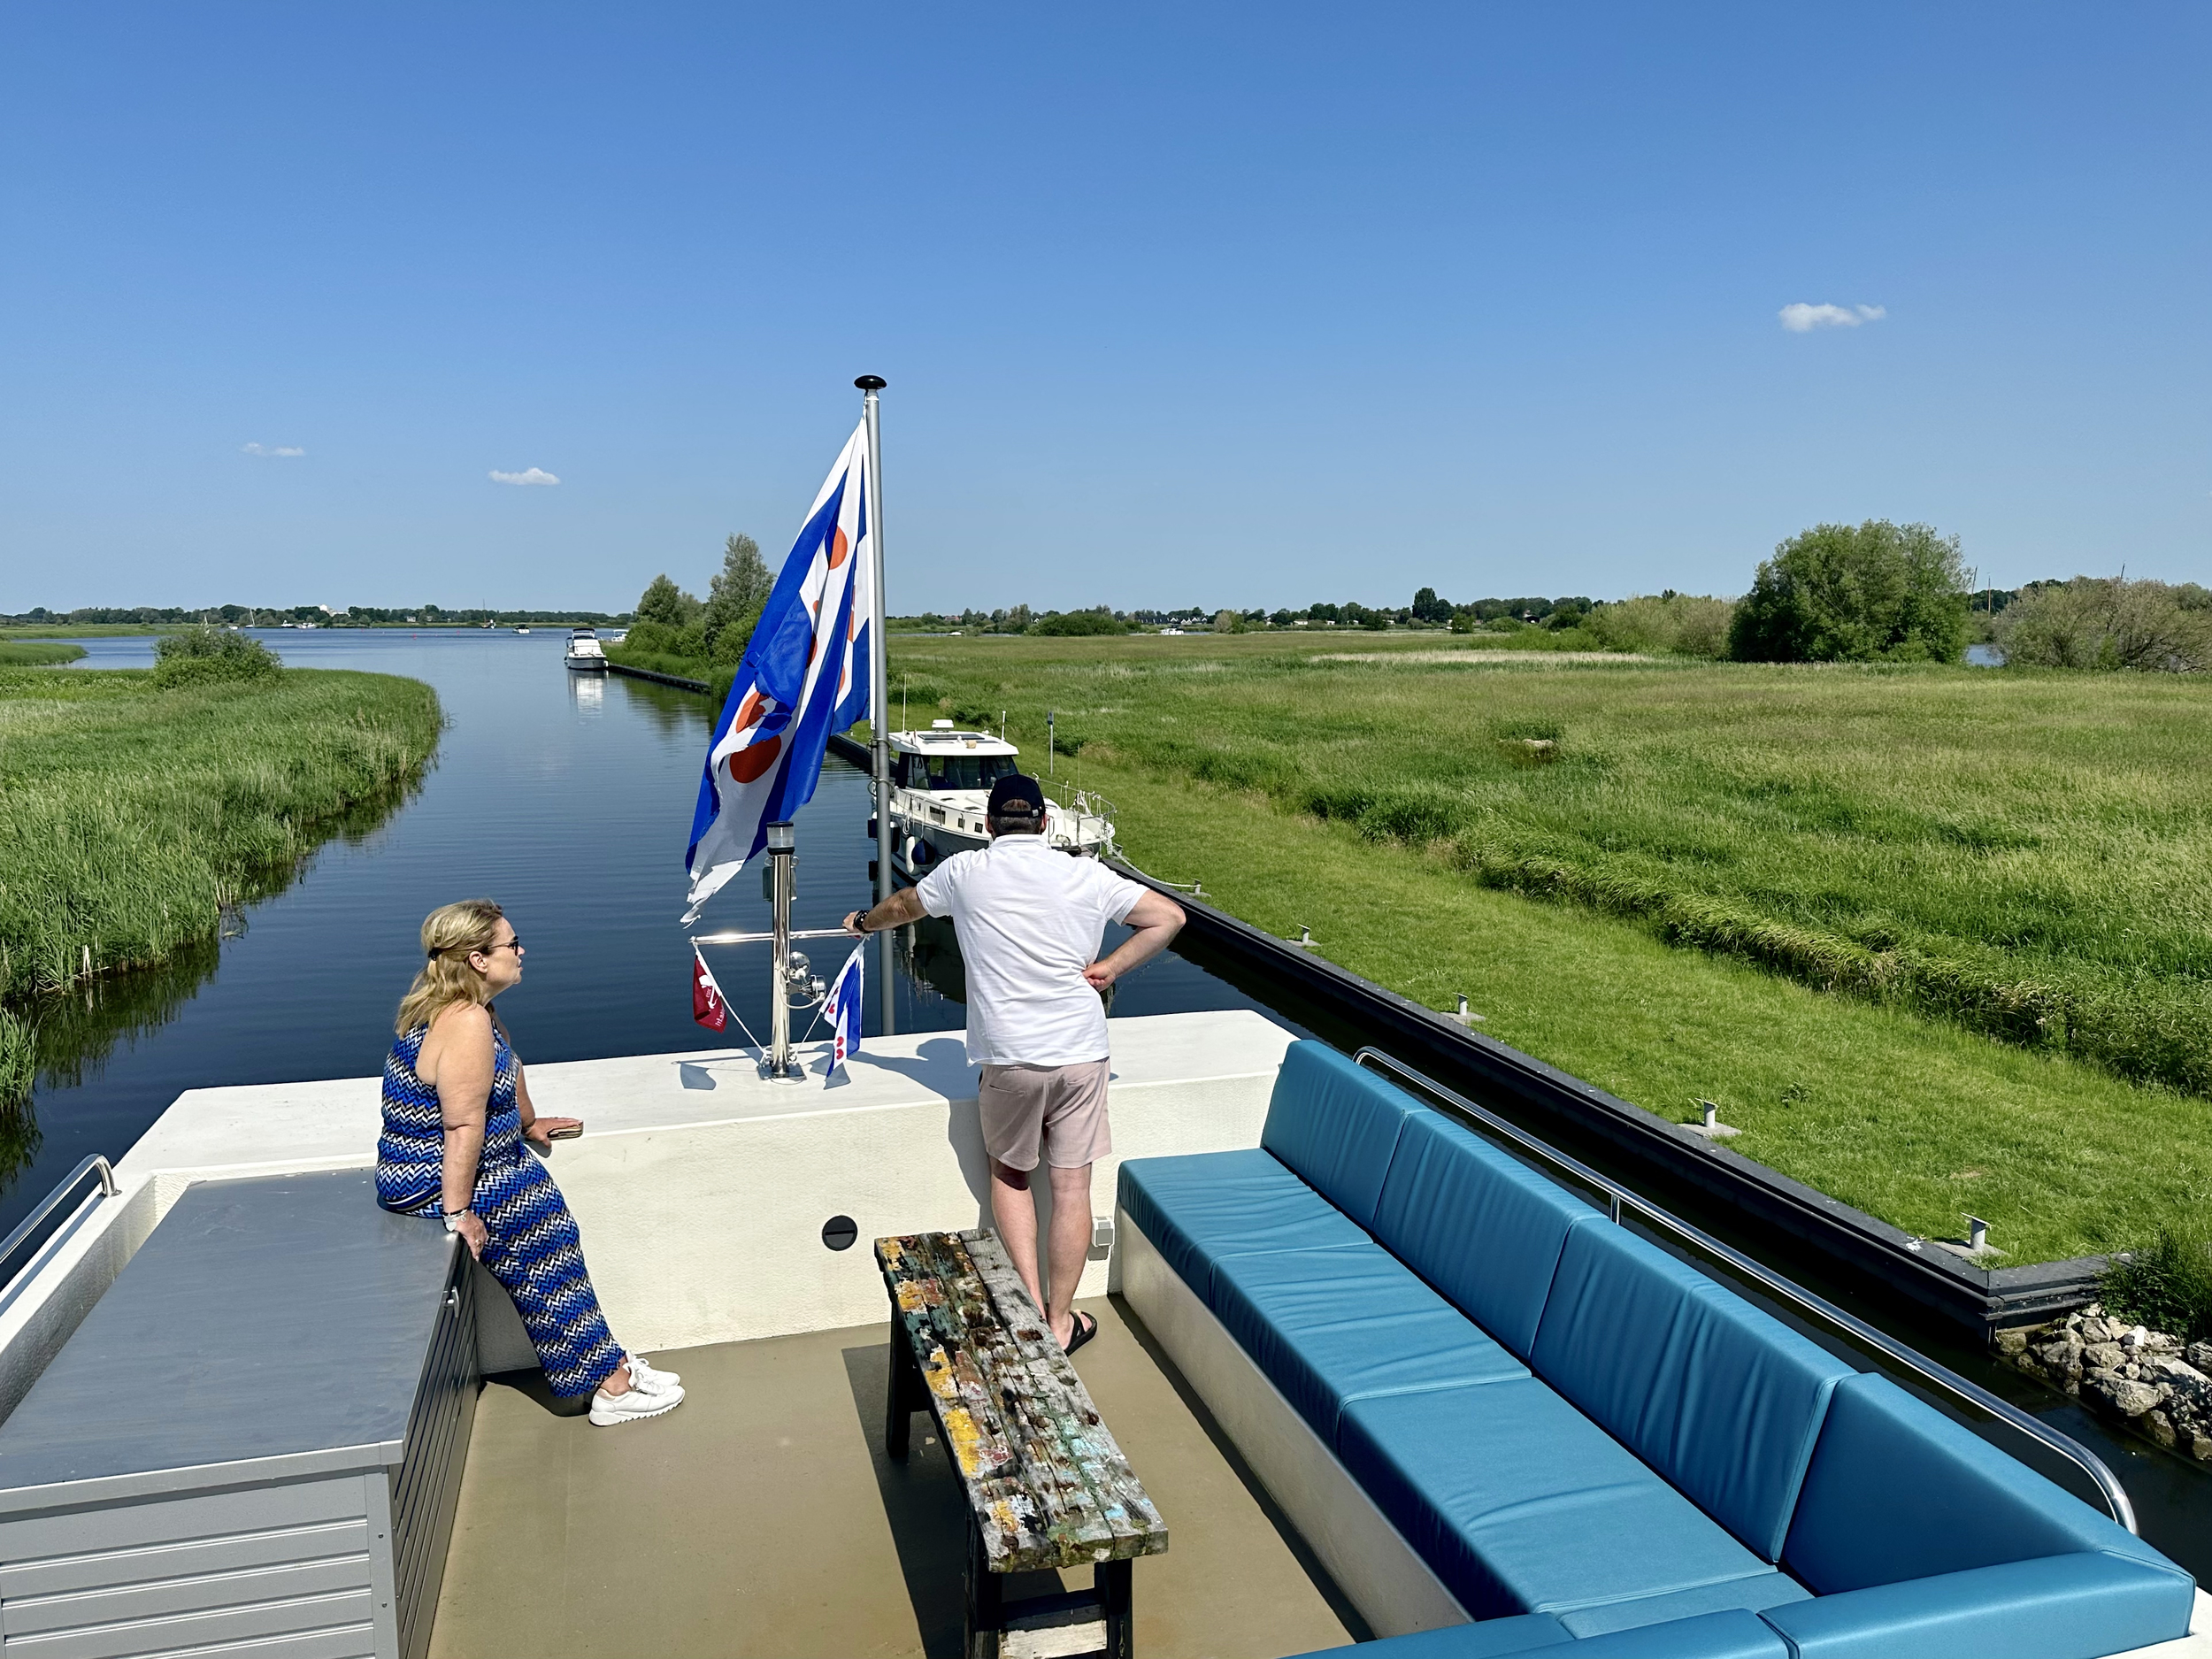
x=946 y=759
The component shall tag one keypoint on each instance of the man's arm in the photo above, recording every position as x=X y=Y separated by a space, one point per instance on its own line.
x=901 y=908
x=1153 y=920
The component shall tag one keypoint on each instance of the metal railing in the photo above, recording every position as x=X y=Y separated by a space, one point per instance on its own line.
x=1621 y=1198
x=25 y=1239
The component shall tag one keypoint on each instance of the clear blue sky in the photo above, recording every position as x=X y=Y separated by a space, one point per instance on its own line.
x=1178 y=305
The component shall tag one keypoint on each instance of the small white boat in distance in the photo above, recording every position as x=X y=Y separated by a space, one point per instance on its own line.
x=522 y=630
x=940 y=783
x=584 y=654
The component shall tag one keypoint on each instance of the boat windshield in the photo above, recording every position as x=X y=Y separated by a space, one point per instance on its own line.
x=952 y=772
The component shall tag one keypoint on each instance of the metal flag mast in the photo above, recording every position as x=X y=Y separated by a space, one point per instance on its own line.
x=879 y=686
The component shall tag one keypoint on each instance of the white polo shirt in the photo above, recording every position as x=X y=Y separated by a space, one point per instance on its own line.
x=1030 y=920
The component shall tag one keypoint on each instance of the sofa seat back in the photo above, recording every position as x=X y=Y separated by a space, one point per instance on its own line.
x=1723 y=1400
x=1485 y=1230
x=1336 y=1124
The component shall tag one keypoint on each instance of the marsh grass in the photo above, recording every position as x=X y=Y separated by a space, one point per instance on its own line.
x=2026 y=856
x=131 y=816
x=37 y=653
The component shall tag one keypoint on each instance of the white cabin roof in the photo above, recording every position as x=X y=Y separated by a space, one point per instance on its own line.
x=950 y=741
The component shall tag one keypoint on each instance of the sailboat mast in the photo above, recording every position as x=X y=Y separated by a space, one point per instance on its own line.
x=878 y=688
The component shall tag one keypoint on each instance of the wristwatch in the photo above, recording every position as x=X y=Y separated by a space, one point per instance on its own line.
x=860 y=923
x=453 y=1219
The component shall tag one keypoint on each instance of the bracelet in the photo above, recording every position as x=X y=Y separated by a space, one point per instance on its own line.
x=453 y=1219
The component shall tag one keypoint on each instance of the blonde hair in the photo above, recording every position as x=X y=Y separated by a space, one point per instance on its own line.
x=450 y=934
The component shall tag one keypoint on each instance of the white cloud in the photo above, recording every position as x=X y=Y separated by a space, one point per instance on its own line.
x=282 y=452
x=533 y=475
x=1801 y=318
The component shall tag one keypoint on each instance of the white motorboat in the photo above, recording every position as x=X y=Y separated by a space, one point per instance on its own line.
x=940 y=783
x=584 y=654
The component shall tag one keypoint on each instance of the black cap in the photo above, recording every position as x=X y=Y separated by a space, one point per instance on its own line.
x=1016 y=796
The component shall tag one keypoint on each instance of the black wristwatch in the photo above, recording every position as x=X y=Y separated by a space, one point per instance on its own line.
x=860 y=923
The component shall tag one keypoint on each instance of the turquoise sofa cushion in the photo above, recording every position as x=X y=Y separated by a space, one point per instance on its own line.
x=1336 y=1124
x=1755 y=1594
x=1196 y=1207
x=1493 y=1638
x=1729 y=1635
x=1521 y=1505
x=1899 y=1491
x=2061 y=1607
x=1336 y=1324
x=1483 y=1230
x=1723 y=1400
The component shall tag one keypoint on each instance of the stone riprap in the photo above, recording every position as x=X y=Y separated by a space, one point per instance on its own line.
x=2158 y=1384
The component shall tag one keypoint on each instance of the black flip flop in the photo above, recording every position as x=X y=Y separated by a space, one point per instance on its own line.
x=1083 y=1332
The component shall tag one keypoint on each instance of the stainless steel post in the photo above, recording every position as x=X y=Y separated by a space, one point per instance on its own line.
x=783 y=846
x=878 y=691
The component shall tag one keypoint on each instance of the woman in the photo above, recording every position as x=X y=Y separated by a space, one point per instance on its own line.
x=456 y=1111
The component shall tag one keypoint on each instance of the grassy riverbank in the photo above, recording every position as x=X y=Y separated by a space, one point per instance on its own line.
x=130 y=817
x=37 y=653
x=2005 y=876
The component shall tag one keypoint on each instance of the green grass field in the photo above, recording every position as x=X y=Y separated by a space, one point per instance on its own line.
x=129 y=815
x=1936 y=939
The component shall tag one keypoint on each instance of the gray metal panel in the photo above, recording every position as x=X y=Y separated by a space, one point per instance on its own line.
x=278 y=1315
x=429 y=1483
x=255 y=1509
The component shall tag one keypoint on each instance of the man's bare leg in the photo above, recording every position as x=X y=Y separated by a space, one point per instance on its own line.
x=1014 y=1212
x=1071 y=1245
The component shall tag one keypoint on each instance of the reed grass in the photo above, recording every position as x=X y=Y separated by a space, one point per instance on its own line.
x=37 y=653
x=130 y=815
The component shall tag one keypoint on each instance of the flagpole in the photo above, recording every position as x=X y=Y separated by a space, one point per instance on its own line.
x=878 y=688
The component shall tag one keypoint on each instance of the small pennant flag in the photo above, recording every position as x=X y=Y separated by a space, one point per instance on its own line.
x=844 y=1009
x=707 y=1006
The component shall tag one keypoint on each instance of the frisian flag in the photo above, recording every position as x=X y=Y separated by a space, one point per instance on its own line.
x=844 y=1010
x=804 y=675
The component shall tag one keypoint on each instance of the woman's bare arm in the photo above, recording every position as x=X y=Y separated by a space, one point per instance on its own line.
x=463 y=1082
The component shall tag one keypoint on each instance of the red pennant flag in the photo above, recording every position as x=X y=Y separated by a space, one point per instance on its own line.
x=707 y=1007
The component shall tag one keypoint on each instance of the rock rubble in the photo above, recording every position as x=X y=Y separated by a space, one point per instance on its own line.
x=2159 y=1385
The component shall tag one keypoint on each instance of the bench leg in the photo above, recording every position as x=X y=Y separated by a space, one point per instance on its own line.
x=984 y=1617
x=1114 y=1580
x=905 y=1391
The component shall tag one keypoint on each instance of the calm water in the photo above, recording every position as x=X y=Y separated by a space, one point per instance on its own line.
x=568 y=798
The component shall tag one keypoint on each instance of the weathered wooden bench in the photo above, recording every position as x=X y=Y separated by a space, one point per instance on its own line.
x=1047 y=1486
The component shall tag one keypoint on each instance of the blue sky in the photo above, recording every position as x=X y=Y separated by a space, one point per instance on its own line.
x=1178 y=305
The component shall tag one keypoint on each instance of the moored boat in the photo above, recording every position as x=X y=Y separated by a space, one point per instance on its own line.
x=584 y=655
x=941 y=784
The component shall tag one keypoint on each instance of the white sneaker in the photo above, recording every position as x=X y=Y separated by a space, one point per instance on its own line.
x=607 y=1410
x=650 y=1379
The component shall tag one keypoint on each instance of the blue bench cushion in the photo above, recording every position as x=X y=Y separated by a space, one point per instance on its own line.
x=1755 y=1594
x=2062 y=1607
x=1335 y=1123
x=1521 y=1505
x=1195 y=1208
x=1724 y=1401
x=1332 y=1326
x=1728 y=1635
x=1483 y=1230
x=1899 y=1491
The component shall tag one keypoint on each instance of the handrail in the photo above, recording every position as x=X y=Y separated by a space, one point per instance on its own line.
x=1937 y=1376
x=52 y=1201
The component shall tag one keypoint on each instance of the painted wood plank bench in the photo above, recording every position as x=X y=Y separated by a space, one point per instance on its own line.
x=1047 y=1486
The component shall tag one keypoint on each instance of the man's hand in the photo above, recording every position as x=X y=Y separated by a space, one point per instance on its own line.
x=1100 y=974
x=852 y=924
x=542 y=1130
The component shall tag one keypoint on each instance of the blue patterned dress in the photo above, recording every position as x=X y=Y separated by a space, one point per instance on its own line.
x=534 y=1249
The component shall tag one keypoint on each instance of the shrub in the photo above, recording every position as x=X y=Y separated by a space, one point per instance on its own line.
x=1687 y=624
x=207 y=656
x=2101 y=623
x=1840 y=593
x=2167 y=1284
x=1068 y=624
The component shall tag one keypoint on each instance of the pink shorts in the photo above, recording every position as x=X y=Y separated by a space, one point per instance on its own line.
x=1064 y=1106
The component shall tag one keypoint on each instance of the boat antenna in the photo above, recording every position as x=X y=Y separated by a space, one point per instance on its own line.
x=904 y=722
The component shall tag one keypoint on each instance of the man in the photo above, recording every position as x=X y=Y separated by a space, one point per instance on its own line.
x=1029 y=921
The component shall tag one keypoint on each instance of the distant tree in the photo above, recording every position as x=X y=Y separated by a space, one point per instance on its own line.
x=1228 y=622
x=733 y=604
x=1864 y=593
x=1070 y=623
x=1428 y=608
x=667 y=604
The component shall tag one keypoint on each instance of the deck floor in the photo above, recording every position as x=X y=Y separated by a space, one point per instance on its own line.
x=763 y=1518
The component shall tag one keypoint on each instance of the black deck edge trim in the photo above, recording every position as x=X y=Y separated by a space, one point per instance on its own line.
x=676 y=680
x=1860 y=1248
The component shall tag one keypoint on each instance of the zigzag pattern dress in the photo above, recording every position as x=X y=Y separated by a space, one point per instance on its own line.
x=534 y=1249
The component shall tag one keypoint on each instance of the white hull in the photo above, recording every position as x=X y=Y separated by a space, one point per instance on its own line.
x=929 y=828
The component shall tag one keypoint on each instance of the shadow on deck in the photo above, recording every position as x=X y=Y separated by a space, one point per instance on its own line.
x=763 y=1518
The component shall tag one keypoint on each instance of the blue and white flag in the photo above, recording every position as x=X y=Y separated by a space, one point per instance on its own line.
x=805 y=675
x=844 y=1009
